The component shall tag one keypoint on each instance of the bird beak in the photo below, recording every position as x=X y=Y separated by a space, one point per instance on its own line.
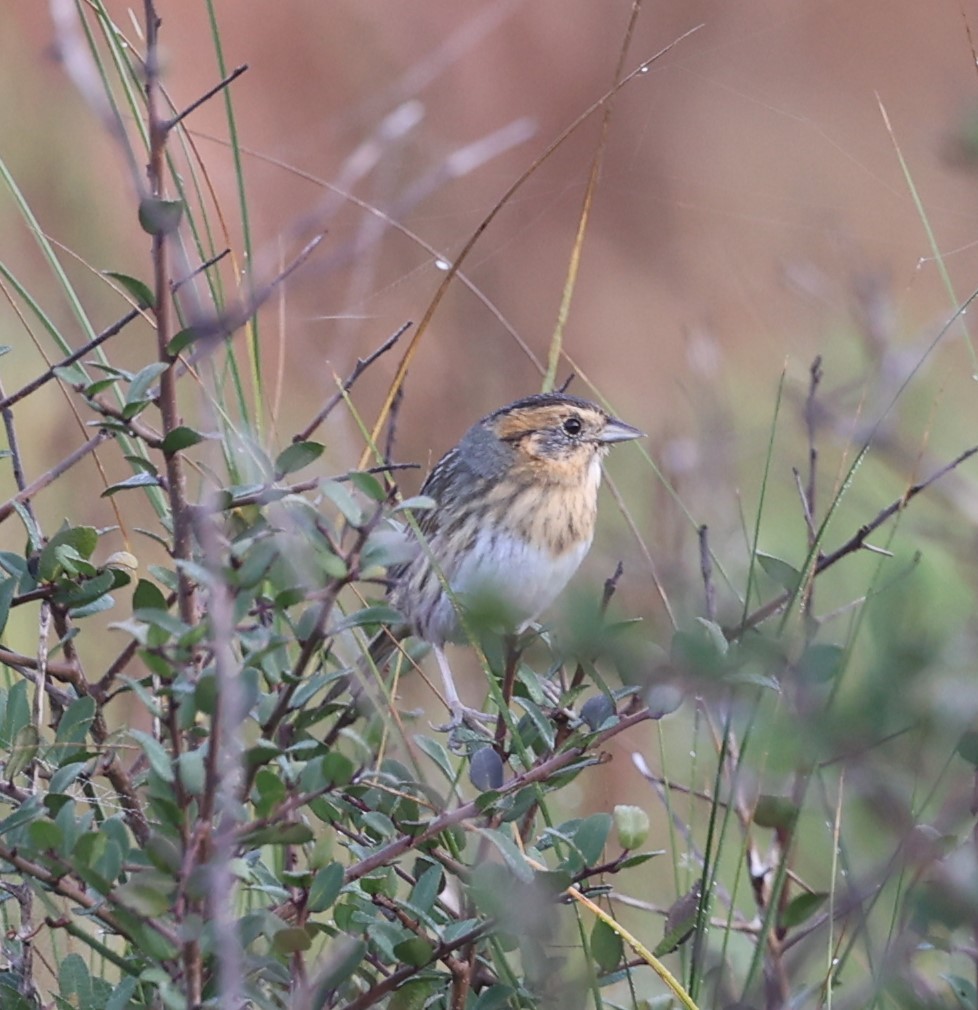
x=618 y=431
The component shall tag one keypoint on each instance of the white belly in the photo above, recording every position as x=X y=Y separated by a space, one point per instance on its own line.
x=508 y=577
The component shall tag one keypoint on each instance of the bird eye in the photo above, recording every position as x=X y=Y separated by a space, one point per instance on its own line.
x=572 y=425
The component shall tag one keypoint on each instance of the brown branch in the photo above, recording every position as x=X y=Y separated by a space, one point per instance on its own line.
x=46 y=376
x=53 y=474
x=96 y=904
x=182 y=547
x=540 y=772
x=132 y=424
x=389 y=984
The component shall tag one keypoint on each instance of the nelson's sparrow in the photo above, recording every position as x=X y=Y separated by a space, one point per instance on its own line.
x=514 y=515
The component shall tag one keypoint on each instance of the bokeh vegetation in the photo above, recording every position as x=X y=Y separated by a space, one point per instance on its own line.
x=738 y=769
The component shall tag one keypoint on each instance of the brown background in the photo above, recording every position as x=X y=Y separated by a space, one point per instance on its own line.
x=752 y=212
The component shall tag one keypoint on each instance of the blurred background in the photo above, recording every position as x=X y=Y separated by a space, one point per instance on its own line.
x=790 y=180
x=787 y=181
x=752 y=210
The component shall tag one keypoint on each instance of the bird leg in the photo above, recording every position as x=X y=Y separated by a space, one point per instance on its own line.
x=461 y=714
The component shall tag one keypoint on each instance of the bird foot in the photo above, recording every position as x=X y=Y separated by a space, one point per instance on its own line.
x=462 y=715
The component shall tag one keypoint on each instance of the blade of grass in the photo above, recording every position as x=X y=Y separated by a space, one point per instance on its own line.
x=929 y=231
x=574 y=263
x=473 y=239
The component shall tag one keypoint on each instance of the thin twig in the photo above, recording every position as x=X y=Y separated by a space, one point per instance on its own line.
x=538 y=773
x=209 y=331
x=197 y=271
x=206 y=96
x=100 y=405
x=853 y=544
x=93 y=902
x=706 y=572
x=361 y=366
x=815 y=377
x=53 y=474
x=47 y=375
x=611 y=586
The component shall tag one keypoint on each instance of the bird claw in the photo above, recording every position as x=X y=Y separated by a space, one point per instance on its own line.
x=462 y=715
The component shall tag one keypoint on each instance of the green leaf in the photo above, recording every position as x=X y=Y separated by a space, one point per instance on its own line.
x=291 y=940
x=297 y=456
x=325 y=888
x=343 y=500
x=140 y=292
x=76 y=595
x=378 y=614
x=419 y=503
x=270 y=790
x=148 y=595
x=182 y=340
x=511 y=854
x=97 y=606
x=775 y=812
x=786 y=576
x=159 y=217
x=413 y=995
x=426 y=890
x=640 y=857
x=180 y=438
x=22 y=752
x=337 y=769
x=65 y=775
x=968 y=747
x=802 y=907
x=67 y=545
x=821 y=663
x=341 y=959
x=438 y=753
x=147 y=892
x=486 y=769
x=545 y=729
x=591 y=836
x=7 y=589
x=280 y=834
x=597 y=710
x=142 y=381
x=416 y=951
x=700 y=649
x=45 y=835
x=157 y=756
x=72 y=729
x=122 y=994
x=680 y=921
x=13 y=564
x=16 y=713
x=963 y=990
x=75 y=982
x=136 y=480
x=28 y=811
x=606 y=946
x=368 y=484
x=494 y=998
x=192 y=773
